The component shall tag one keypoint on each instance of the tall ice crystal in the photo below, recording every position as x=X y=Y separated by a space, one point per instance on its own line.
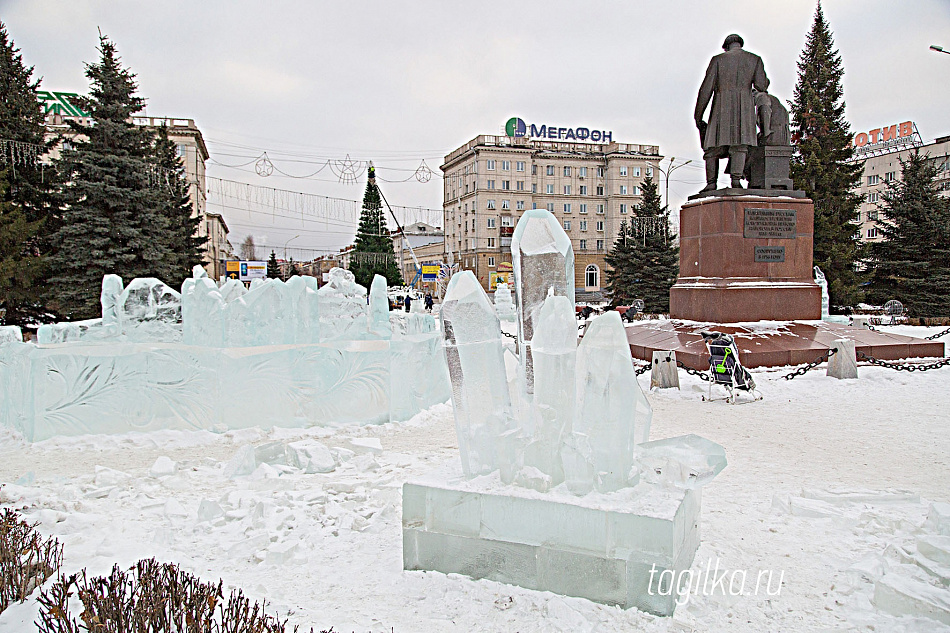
x=487 y=431
x=543 y=260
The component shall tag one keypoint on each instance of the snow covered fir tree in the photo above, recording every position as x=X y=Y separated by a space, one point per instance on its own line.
x=912 y=262
x=644 y=260
x=373 y=253
x=821 y=165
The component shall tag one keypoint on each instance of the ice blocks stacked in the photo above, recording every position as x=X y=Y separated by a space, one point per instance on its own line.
x=547 y=495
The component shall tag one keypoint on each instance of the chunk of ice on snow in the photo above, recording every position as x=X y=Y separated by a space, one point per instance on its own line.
x=687 y=461
x=311 y=456
x=163 y=467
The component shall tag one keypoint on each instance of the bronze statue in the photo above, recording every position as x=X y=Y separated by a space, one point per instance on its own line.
x=731 y=130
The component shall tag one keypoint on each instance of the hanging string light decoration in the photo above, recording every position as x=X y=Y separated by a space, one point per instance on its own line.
x=643 y=226
x=264 y=167
x=348 y=170
x=423 y=173
x=20 y=154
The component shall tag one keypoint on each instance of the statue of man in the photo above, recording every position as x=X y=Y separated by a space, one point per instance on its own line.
x=731 y=129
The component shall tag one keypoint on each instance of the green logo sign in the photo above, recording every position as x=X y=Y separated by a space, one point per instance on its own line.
x=59 y=103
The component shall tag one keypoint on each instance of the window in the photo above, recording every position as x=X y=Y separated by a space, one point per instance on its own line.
x=534 y=188
x=600 y=208
x=491 y=184
x=491 y=242
x=582 y=172
x=506 y=185
x=600 y=225
x=649 y=172
x=874 y=179
x=491 y=261
x=636 y=171
x=490 y=164
x=505 y=204
x=507 y=220
x=506 y=165
x=591 y=276
x=889 y=176
x=582 y=246
x=519 y=166
x=550 y=189
x=583 y=224
x=550 y=207
x=567 y=207
x=550 y=170
x=872 y=214
x=520 y=205
x=567 y=172
x=491 y=204
x=567 y=225
x=623 y=190
x=519 y=185
x=534 y=205
x=637 y=191
x=623 y=208
x=583 y=208
x=180 y=150
x=600 y=190
x=567 y=190
x=534 y=170
x=582 y=190
x=872 y=232
x=874 y=196
x=600 y=172
x=490 y=222
x=600 y=245
x=623 y=170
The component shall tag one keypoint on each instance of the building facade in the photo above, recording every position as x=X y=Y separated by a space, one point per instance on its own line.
x=428 y=245
x=59 y=107
x=882 y=165
x=590 y=187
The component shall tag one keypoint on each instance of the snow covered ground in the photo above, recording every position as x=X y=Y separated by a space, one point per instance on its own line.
x=828 y=487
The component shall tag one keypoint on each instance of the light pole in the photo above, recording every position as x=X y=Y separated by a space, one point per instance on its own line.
x=669 y=170
x=939 y=49
x=288 y=242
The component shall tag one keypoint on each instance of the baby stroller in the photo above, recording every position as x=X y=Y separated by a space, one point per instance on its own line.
x=724 y=367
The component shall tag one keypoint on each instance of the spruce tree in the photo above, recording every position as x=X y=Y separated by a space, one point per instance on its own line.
x=112 y=219
x=644 y=261
x=373 y=254
x=30 y=190
x=273 y=268
x=185 y=246
x=822 y=165
x=21 y=266
x=912 y=262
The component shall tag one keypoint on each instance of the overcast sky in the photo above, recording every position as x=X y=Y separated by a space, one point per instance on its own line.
x=400 y=83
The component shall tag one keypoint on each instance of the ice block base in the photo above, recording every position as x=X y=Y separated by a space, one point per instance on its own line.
x=601 y=547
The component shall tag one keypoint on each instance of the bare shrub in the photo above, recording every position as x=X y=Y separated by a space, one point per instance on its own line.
x=151 y=597
x=27 y=559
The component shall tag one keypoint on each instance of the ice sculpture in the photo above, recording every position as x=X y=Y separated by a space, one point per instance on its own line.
x=474 y=354
x=825 y=297
x=543 y=260
x=10 y=334
x=563 y=431
x=504 y=306
x=279 y=354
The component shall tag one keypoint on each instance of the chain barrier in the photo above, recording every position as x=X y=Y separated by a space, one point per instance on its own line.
x=902 y=366
x=509 y=335
x=702 y=375
x=639 y=370
x=801 y=371
x=938 y=335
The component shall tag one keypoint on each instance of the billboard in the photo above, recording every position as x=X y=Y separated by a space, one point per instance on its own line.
x=430 y=271
x=232 y=270
x=252 y=270
x=498 y=277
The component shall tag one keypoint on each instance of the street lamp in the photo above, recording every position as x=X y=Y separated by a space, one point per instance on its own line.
x=669 y=170
x=939 y=49
x=288 y=242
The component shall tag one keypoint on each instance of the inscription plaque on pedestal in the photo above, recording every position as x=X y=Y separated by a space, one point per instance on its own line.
x=770 y=224
x=770 y=254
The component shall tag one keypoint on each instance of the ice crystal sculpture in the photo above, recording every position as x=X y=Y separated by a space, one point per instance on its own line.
x=504 y=306
x=580 y=411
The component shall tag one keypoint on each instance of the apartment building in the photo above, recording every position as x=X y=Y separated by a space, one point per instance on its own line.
x=589 y=186
x=882 y=151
